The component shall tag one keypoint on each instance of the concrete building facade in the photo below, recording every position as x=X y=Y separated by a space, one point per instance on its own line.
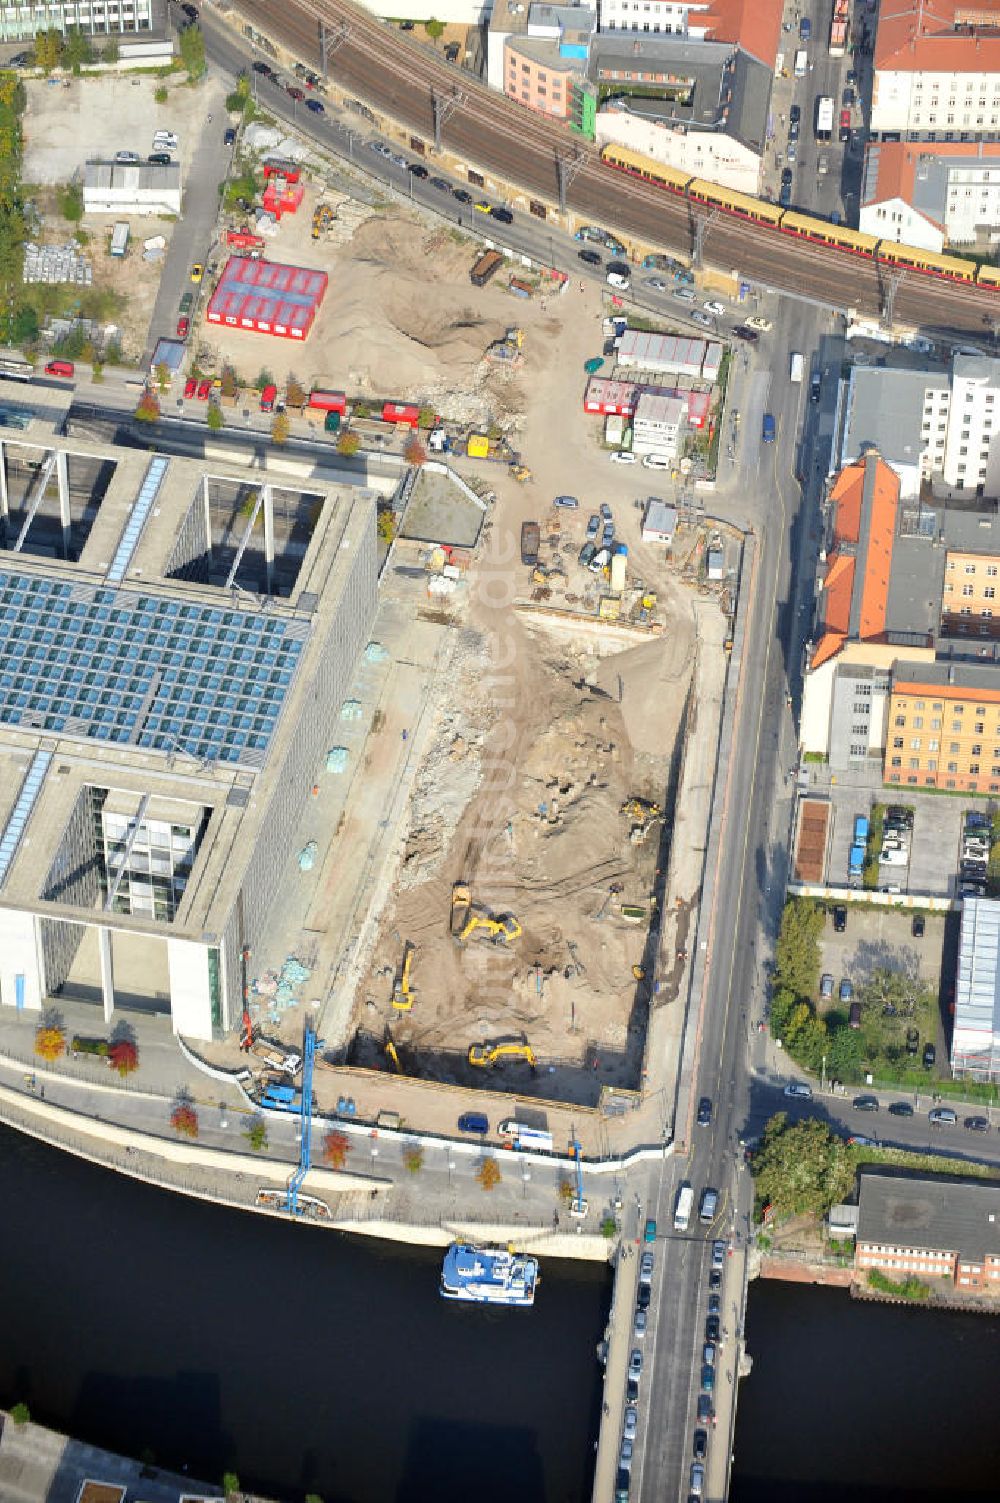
x=165 y=703
x=929 y=1227
x=937 y=71
x=932 y=196
x=20 y=22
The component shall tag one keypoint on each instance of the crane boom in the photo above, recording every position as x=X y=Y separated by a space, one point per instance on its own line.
x=305 y=1147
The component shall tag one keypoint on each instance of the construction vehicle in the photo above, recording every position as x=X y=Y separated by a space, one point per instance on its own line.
x=489 y=1056
x=469 y=918
x=323 y=217
x=520 y=472
x=507 y=351
x=402 y=992
x=391 y=1053
x=641 y=809
x=461 y=902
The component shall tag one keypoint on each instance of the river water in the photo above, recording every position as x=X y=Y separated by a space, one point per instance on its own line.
x=152 y=1324
x=872 y=1403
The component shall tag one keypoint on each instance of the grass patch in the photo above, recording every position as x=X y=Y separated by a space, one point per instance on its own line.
x=910 y=1288
x=820 y=758
x=874 y=846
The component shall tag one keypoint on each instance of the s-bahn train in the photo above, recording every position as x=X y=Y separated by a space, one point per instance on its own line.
x=802 y=226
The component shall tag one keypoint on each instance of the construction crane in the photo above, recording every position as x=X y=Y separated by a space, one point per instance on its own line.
x=305 y=1147
x=578 y=1205
x=487 y=1056
x=402 y=992
x=469 y=918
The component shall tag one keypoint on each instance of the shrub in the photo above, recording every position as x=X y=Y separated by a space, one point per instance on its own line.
x=70 y=201
x=148 y=408
x=230 y=1483
x=386 y=525
x=413 y=1158
x=20 y=1414
x=214 y=417
x=348 y=443
x=609 y=1227
x=909 y=1288
x=488 y=1174
x=256 y=1135
x=415 y=452
x=161 y=94
x=280 y=428
x=82 y=1045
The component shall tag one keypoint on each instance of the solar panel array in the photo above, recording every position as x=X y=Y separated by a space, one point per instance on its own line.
x=137 y=521
x=144 y=670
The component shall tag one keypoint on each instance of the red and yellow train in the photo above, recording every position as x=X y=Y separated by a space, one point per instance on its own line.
x=802 y=226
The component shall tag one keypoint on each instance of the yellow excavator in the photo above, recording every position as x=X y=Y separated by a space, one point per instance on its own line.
x=468 y=918
x=642 y=809
x=402 y=992
x=390 y=1053
x=487 y=1056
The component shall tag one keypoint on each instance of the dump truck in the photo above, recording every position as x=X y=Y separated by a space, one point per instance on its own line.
x=530 y=540
x=487 y=266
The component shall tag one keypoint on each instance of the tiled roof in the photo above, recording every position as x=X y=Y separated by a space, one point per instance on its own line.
x=938 y=36
x=865 y=497
x=755 y=25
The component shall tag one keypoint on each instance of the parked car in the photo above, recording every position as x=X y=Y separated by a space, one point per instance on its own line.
x=646 y=1265
x=865 y=1103
x=786 y=177
x=649 y=1231
x=714 y=306
x=846 y=990
x=708 y=1354
x=639 y=1324
x=917 y=927
x=942 y=1116
x=183 y=328
x=589 y=257
x=294 y=92
x=439 y=183
x=839 y=919
x=504 y=215
x=657 y=284
x=930 y=1055
x=798 y=1090
x=912 y=1040
x=197 y=272
x=568 y=501
x=631 y=1424
x=656 y=462
x=718 y=1253
x=623 y=456
x=706 y=1409
x=684 y=295
x=605 y=512
x=316 y=107
x=127 y=158
x=482 y=207
x=977 y=1124
x=190 y=386
x=635 y=1363
x=63 y=368
x=704 y=1112
x=708 y=1380
x=750 y=335
x=159 y=158
x=697 y=1482
x=697 y=317
x=714 y=1305
x=586 y=554
x=763 y=325
x=204 y=391
x=715 y=1278
x=229 y=137
x=700 y=1444
x=476 y=1122
x=461 y=195
x=826 y=985
x=593 y=526
x=900 y=1109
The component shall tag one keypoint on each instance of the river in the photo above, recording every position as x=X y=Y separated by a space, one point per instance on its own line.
x=872 y=1403
x=193 y=1335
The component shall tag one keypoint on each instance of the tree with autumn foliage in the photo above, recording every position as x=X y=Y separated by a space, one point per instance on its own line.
x=336 y=1147
x=184 y=1120
x=123 y=1056
x=148 y=408
x=415 y=452
x=488 y=1174
x=50 y=1042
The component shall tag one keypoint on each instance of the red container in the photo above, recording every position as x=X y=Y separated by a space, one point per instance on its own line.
x=401 y=412
x=328 y=401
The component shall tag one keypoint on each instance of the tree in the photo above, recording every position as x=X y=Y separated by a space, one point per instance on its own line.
x=427 y=417
x=796 y=955
x=77 y=51
x=415 y=452
x=112 y=51
x=434 y=29
x=50 y=1042
x=488 y=1173
x=348 y=443
x=805 y=1037
x=801 y=1168
x=336 y=1147
x=386 y=525
x=230 y=1481
x=281 y=426
x=148 y=408
x=70 y=199
x=20 y=1414
x=24 y=329
x=565 y=1189
x=123 y=1056
x=192 y=47
x=845 y=1052
x=413 y=1158
x=214 y=417
x=184 y=1120
x=256 y=1135
x=263 y=378
x=295 y=394
x=162 y=94
x=163 y=377
x=48 y=49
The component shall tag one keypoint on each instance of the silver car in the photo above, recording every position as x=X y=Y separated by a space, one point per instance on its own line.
x=631 y=1423
x=639 y=1324
x=635 y=1363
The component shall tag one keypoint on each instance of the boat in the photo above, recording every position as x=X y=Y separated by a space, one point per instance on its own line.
x=488 y=1275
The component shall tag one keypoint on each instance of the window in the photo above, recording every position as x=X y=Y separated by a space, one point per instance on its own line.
x=897 y=762
x=897 y=741
x=968 y=590
x=933 y=746
x=918 y=720
x=974 y=768
x=901 y=720
x=914 y=764
x=952 y=767
x=954 y=747
x=980 y=724
x=989 y=592
x=977 y=751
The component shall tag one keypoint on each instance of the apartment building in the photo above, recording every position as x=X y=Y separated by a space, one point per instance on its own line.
x=754 y=25
x=937 y=70
x=929 y=1227
x=944 y=727
x=19 y=22
x=932 y=195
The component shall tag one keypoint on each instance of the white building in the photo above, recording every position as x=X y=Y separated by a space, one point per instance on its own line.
x=754 y=25
x=662 y=354
x=658 y=424
x=937 y=70
x=19 y=22
x=659 y=523
x=933 y=195
x=975 y=1047
x=133 y=188
x=720 y=158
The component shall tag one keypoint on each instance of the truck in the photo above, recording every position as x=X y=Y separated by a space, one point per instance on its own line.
x=860 y=829
x=527 y=1139
x=119 y=238
x=530 y=538
x=618 y=573
x=487 y=266
x=796 y=368
x=824 y=118
x=856 y=863
x=801 y=63
x=244 y=240
x=276 y=1059
x=683 y=1208
x=839 y=27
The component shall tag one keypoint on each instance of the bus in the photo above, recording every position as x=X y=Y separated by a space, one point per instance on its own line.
x=683 y=1208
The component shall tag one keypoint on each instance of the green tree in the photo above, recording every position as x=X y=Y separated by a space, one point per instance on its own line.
x=70 y=200
x=434 y=29
x=24 y=329
x=148 y=408
x=163 y=377
x=386 y=525
x=256 y=1132
x=413 y=1158
x=77 y=51
x=801 y=1168
x=162 y=94
x=348 y=443
x=112 y=51
x=845 y=1052
x=805 y=1037
x=230 y=1481
x=796 y=955
x=192 y=48
x=48 y=48
x=214 y=417
x=20 y=1414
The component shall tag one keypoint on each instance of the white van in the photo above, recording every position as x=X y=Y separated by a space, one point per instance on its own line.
x=620 y=280
x=796 y=368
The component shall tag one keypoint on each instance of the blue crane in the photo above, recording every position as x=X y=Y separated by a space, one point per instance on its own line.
x=578 y=1205
x=305 y=1148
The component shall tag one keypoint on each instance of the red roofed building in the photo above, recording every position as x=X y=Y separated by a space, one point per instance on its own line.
x=932 y=194
x=754 y=25
x=937 y=69
x=266 y=298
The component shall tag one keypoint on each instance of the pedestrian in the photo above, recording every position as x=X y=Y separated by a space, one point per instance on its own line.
x=42 y=1093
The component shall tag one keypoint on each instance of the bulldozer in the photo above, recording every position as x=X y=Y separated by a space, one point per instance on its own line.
x=488 y=1056
x=402 y=992
x=468 y=918
x=520 y=472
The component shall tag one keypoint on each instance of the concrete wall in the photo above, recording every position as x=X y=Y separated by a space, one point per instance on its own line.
x=190 y=995
x=20 y=957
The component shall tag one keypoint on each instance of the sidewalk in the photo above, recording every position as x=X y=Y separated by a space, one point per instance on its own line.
x=619 y=1331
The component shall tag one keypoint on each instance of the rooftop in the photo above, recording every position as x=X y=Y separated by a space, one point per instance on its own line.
x=977 y=983
x=885 y=412
x=714 y=87
x=755 y=25
x=938 y=36
x=133 y=176
x=655 y=407
x=936 y=1213
x=919 y=173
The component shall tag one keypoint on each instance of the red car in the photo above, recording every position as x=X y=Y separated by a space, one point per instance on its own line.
x=183 y=325
x=845 y=125
x=190 y=386
x=294 y=93
x=203 y=390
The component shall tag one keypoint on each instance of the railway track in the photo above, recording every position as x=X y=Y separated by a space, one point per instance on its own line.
x=399 y=77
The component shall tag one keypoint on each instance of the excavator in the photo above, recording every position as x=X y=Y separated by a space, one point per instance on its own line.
x=402 y=992
x=488 y=1056
x=468 y=918
x=389 y=1049
x=642 y=809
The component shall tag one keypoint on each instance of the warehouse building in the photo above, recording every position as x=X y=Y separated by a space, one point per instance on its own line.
x=975 y=1046
x=175 y=647
x=661 y=354
x=132 y=188
x=267 y=298
x=929 y=1226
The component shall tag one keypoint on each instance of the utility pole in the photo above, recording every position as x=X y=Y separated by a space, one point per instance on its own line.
x=330 y=39
x=568 y=169
x=444 y=106
x=891 y=283
x=700 y=224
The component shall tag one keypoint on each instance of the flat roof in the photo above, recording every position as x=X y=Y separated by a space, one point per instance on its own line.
x=934 y=1212
x=885 y=412
x=977 y=983
x=267 y=291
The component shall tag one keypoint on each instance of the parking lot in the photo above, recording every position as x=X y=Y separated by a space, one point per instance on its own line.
x=934 y=846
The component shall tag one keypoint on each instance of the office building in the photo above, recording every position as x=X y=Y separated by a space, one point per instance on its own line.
x=658 y=425
x=933 y=196
x=931 y=1227
x=98 y=18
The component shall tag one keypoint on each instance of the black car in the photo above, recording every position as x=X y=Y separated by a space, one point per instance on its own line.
x=750 y=335
x=700 y=1444
x=865 y=1103
x=930 y=1055
x=229 y=139
x=191 y=11
x=159 y=158
x=917 y=927
x=712 y=1328
x=462 y=196
x=786 y=176
x=840 y=918
x=417 y=169
x=847 y=98
x=977 y=1124
x=642 y=1297
x=632 y=1391
x=899 y=814
x=912 y=1040
x=795 y=113
x=264 y=69
x=440 y=184
x=815 y=386
x=900 y=1109
x=714 y=1305
x=591 y=258
x=706 y=1410
x=504 y=215
x=715 y=1279
x=704 y=1112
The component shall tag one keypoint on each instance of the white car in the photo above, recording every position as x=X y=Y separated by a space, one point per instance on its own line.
x=622 y=456
x=798 y=1091
x=714 y=306
x=655 y=462
x=764 y=325
x=684 y=295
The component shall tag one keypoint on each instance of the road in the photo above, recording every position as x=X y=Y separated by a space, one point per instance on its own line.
x=395 y=74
